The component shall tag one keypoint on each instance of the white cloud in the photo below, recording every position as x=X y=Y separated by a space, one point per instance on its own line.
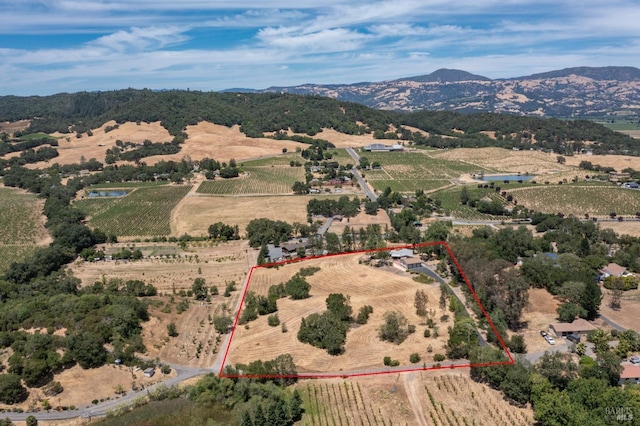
x=330 y=40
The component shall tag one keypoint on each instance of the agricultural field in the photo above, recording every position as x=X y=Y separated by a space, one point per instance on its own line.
x=578 y=200
x=21 y=226
x=433 y=398
x=450 y=201
x=143 y=212
x=339 y=154
x=500 y=160
x=408 y=171
x=256 y=180
x=384 y=289
x=193 y=215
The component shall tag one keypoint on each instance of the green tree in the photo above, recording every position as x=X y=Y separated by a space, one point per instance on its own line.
x=246 y=419
x=516 y=384
x=591 y=299
x=199 y=289
x=32 y=421
x=567 y=312
x=558 y=368
x=297 y=287
x=420 y=301
x=394 y=328
x=172 y=330
x=222 y=323
x=463 y=337
x=295 y=406
x=11 y=389
x=338 y=305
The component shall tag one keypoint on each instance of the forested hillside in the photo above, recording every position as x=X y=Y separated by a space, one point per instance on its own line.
x=260 y=113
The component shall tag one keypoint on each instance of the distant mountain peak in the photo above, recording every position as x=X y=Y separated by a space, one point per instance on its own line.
x=595 y=73
x=446 y=75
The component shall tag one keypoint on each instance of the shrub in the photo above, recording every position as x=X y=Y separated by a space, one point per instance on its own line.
x=414 y=358
x=363 y=314
x=273 y=320
x=427 y=333
x=390 y=362
x=439 y=357
x=172 y=329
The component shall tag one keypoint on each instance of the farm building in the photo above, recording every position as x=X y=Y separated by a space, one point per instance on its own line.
x=411 y=262
x=149 y=372
x=577 y=327
x=378 y=147
x=401 y=253
x=630 y=374
x=613 y=270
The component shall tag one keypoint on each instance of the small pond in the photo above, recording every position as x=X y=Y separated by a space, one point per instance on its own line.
x=502 y=178
x=107 y=193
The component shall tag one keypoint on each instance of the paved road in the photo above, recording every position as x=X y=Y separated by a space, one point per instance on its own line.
x=325 y=227
x=367 y=190
x=611 y=323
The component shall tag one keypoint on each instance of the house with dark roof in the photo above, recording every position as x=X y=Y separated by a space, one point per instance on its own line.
x=275 y=253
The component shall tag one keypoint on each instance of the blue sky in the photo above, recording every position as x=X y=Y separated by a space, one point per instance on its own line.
x=51 y=46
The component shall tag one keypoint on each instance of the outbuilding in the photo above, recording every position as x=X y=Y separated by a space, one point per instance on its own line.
x=578 y=327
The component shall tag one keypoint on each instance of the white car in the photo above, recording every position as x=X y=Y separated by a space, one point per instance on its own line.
x=635 y=359
x=549 y=340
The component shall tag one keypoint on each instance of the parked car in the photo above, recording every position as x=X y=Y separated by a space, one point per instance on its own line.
x=543 y=333
x=573 y=338
x=635 y=359
x=549 y=340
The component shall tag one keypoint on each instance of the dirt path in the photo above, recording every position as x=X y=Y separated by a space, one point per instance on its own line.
x=416 y=400
x=192 y=193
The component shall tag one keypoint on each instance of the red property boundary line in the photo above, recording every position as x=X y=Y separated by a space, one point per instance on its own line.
x=364 y=373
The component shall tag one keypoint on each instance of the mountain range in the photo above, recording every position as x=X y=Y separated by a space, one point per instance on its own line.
x=585 y=92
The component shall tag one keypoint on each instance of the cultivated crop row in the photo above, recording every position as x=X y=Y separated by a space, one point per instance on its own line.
x=14 y=253
x=144 y=212
x=20 y=217
x=458 y=401
x=579 y=199
x=339 y=404
x=257 y=180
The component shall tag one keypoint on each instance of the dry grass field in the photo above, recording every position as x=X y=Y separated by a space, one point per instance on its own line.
x=538 y=314
x=627 y=316
x=83 y=386
x=361 y=220
x=504 y=160
x=622 y=228
x=423 y=398
x=224 y=143
x=217 y=263
x=193 y=215
x=618 y=162
x=383 y=289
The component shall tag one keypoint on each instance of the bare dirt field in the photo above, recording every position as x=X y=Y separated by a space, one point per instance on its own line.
x=14 y=126
x=217 y=263
x=618 y=162
x=421 y=398
x=539 y=313
x=385 y=290
x=224 y=143
x=532 y=162
x=361 y=220
x=196 y=344
x=627 y=316
x=194 y=214
x=622 y=228
x=73 y=149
